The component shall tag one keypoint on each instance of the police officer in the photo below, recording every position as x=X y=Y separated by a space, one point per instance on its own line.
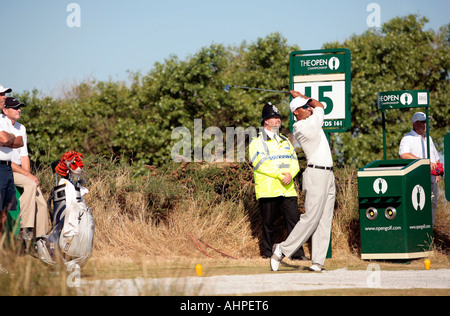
x=275 y=165
x=413 y=146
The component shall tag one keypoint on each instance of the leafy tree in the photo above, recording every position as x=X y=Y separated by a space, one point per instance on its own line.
x=135 y=121
x=401 y=56
x=182 y=91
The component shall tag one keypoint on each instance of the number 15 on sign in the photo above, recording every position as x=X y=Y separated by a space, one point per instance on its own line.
x=330 y=94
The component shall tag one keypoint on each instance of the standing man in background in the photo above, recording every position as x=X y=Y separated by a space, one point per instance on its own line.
x=8 y=141
x=275 y=165
x=414 y=146
x=318 y=185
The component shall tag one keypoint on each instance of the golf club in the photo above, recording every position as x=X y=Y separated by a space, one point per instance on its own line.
x=227 y=89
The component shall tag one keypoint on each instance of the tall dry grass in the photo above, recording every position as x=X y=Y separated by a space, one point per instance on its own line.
x=23 y=275
x=345 y=229
x=167 y=213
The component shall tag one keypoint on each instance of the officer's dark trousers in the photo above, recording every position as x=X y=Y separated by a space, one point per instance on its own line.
x=271 y=209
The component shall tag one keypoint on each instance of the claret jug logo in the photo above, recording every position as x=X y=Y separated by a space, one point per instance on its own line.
x=406 y=99
x=334 y=63
x=380 y=186
x=418 y=198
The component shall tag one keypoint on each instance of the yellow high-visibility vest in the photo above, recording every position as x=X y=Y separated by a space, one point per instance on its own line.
x=270 y=158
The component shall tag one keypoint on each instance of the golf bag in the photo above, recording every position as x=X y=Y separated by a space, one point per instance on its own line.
x=72 y=235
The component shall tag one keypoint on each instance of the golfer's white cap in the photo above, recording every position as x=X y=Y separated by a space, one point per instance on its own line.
x=419 y=116
x=298 y=103
x=6 y=90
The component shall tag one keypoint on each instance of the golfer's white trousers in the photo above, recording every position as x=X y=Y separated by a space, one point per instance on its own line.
x=320 y=194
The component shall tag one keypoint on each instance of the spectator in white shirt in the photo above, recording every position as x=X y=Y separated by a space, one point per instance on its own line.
x=8 y=141
x=414 y=146
x=33 y=207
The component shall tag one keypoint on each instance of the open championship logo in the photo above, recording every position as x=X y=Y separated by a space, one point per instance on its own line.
x=418 y=198
x=380 y=186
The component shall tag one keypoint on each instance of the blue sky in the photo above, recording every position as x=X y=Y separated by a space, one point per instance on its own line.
x=40 y=51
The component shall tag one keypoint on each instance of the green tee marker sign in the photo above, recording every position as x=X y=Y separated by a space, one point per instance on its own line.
x=403 y=99
x=325 y=76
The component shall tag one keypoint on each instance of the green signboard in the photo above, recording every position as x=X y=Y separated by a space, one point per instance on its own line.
x=325 y=76
x=403 y=99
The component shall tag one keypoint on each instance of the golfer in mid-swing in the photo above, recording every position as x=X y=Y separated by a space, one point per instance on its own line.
x=318 y=185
